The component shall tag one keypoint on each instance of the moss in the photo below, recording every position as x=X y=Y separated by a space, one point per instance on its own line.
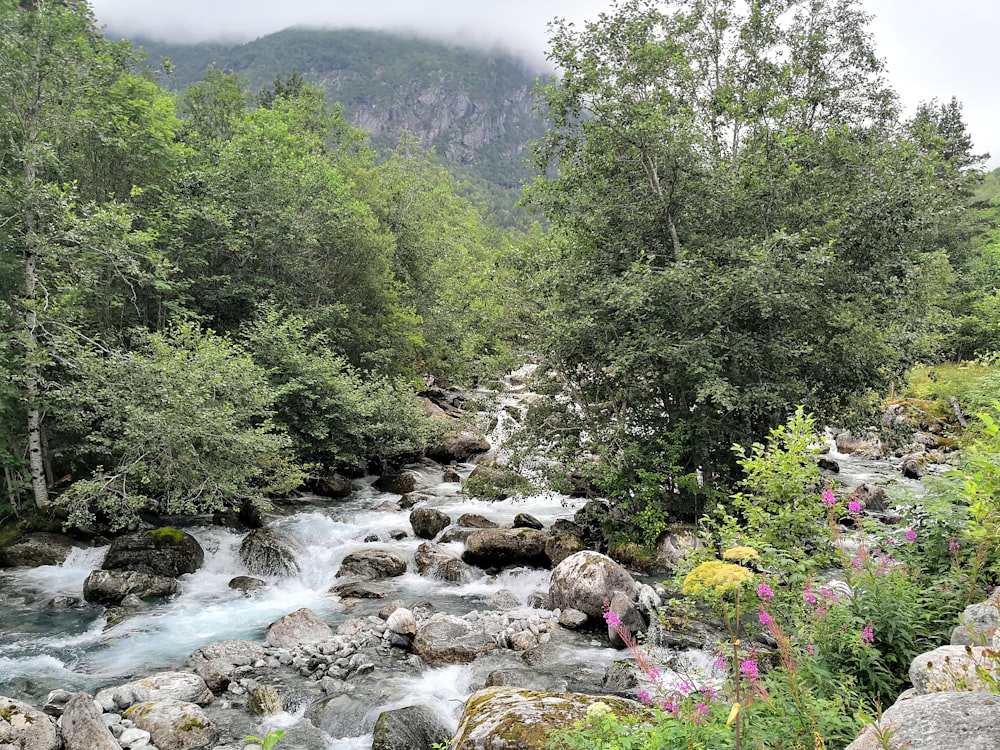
x=191 y=722
x=166 y=536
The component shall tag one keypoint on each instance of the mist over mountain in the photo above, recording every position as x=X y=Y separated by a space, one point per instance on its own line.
x=474 y=108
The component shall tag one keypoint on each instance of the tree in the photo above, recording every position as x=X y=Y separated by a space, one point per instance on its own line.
x=740 y=224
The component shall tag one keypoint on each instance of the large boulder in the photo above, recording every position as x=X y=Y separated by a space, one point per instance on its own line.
x=955 y=668
x=25 y=728
x=165 y=552
x=979 y=623
x=560 y=546
x=398 y=484
x=586 y=580
x=475 y=521
x=82 y=727
x=373 y=564
x=504 y=718
x=501 y=548
x=180 y=686
x=970 y=721
x=111 y=586
x=427 y=523
x=269 y=552
x=458 y=446
x=331 y=485
x=298 y=628
x=217 y=662
x=434 y=561
x=174 y=725
x=409 y=728
x=35 y=549
x=446 y=639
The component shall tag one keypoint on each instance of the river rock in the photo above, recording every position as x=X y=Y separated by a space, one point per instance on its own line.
x=397 y=484
x=451 y=476
x=217 y=662
x=586 y=580
x=409 y=728
x=871 y=497
x=501 y=548
x=165 y=552
x=373 y=564
x=111 y=586
x=427 y=523
x=446 y=639
x=82 y=727
x=331 y=485
x=954 y=668
x=970 y=721
x=269 y=552
x=25 y=728
x=573 y=619
x=560 y=546
x=247 y=584
x=264 y=701
x=402 y=622
x=676 y=545
x=174 y=725
x=623 y=605
x=505 y=599
x=343 y=715
x=475 y=521
x=35 y=549
x=365 y=589
x=527 y=521
x=298 y=628
x=179 y=686
x=504 y=718
x=458 y=446
x=434 y=561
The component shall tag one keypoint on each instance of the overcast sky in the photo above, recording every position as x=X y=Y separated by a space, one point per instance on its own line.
x=933 y=48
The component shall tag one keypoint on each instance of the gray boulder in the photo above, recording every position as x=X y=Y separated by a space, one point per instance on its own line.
x=586 y=580
x=427 y=523
x=247 y=584
x=298 y=628
x=970 y=721
x=979 y=623
x=475 y=521
x=82 y=727
x=179 y=686
x=164 y=552
x=269 y=552
x=373 y=564
x=402 y=622
x=434 y=561
x=398 y=484
x=951 y=668
x=560 y=546
x=501 y=548
x=458 y=446
x=217 y=662
x=410 y=728
x=446 y=639
x=527 y=521
x=174 y=725
x=112 y=586
x=25 y=728
x=35 y=549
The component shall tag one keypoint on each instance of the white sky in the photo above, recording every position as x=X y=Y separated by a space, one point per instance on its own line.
x=934 y=48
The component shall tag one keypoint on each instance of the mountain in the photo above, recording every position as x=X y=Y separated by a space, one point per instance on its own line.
x=473 y=107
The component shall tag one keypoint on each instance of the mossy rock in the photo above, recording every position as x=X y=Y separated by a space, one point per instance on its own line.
x=165 y=551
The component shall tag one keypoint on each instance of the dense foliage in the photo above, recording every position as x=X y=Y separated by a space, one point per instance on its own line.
x=740 y=223
x=213 y=294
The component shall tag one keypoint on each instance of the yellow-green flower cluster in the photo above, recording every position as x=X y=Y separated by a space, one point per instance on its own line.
x=718 y=576
x=741 y=554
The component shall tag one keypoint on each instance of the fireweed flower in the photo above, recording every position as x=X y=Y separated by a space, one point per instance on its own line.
x=953 y=546
x=749 y=670
x=811 y=649
x=808 y=596
x=765 y=618
x=854 y=507
x=643 y=695
x=829 y=500
x=911 y=535
x=868 y=633
x=612 y=619
x=764 y=591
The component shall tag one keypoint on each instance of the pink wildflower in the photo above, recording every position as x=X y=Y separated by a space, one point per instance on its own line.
x=854 y=507
x=808 y=596
x=911 y=535
x=868 y=633
x=643 y=695
x=764 y=591
x=749 y=670
x=811 y=649
x=612 y=619
x=765 y=618
x=953 y=546
x=829 y=500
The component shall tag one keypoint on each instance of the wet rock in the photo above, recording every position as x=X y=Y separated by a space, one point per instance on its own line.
x=849 y=444
x=502 y=718
x=427 y=523
x=362 y=590
x=573 y=619
x=916 y=466
x=475 y=521
x=82 y=727
x=217 y=662
x=409 y=728
x=458 y=447
x=247 y=584
x=174 y=725
x=828 y=464
x=450 y=476
x=25 y=728
x=298 y=628
x=979 y=622
x=112 y=586
x=179 y=686
x=527 y=521
x=344 y=715
x=264 y=701
x=397 y=484
x=970 y=721
x=269 y=552
x=434 y=561
x=446 y=639
x=505 y=599
x=871 y=498
x=398 y=534
x=621 y=679
x=35 y=549
x=623 y=605
x=402 y=622
x=55 y=702
x=501 y=548
x=332 y=485
x=64 y=602
x=456 y=534
x=373 y=564
x=586 y=580
x=165 y=552
x=560 y=546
